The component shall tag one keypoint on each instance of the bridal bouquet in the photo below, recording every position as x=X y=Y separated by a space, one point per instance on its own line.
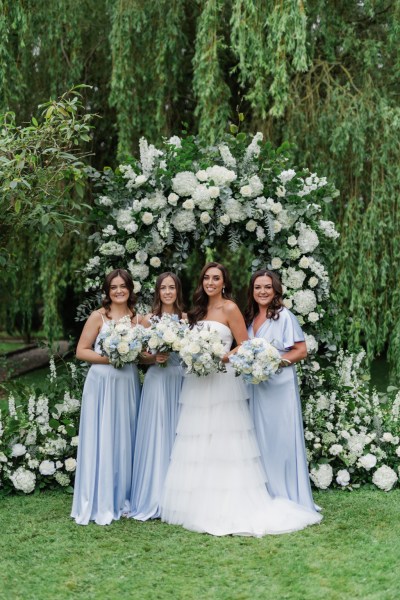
x=201 y=351
x=256 y=360
x=121 y=342
x=165 y=334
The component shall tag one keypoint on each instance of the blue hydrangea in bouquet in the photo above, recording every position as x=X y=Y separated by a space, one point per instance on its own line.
x=256 y=360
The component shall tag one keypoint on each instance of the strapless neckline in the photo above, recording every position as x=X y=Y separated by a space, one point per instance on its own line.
x=213 y=321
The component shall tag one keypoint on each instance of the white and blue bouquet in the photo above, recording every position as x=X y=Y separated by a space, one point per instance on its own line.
x=165 y=334
x=201 y=351
x=256 y=360
x=121 y=342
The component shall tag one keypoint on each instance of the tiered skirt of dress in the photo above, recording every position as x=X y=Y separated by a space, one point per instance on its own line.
x=216 y=482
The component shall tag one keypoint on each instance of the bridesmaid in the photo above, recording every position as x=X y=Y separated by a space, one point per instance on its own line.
x=108 y=415
x=275 y=404
x=159 y=410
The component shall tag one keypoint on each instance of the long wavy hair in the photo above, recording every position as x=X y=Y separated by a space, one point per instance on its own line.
x=273 y=310
x=129 y=284
x=200 y=298
x=156 y=308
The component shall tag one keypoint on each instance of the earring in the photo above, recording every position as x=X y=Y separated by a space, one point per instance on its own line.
x=223 y=291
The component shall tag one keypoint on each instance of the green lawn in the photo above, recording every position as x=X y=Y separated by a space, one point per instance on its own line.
x=354 y=554
x=8 y=346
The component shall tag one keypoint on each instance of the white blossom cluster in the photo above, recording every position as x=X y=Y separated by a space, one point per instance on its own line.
x=342 y=436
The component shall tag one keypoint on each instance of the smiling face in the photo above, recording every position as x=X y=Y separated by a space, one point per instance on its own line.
x=213 y=282
x=263 y=291
x=119 y=293
x=168 y=292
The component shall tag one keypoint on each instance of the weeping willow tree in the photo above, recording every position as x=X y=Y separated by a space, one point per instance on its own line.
x=322 y=75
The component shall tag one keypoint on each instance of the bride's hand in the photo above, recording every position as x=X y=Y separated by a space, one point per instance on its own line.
x=225 y=359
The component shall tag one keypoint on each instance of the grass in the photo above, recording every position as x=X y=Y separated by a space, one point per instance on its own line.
x=8 y=346
x=352 y=555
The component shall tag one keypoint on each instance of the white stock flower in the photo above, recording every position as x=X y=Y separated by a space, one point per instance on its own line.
x=109 y=231
x=343 y=477
x=260 y=233
x=47 y=467
x=246 y=191
x=175 y=141
x=384 y=478
x=322 y=476
x=23 y=480
x=70 y=464
x=367 y=462
x=226 y=155
x=328 y=228
x=18 y=450
x=155 y=262
x=105 y=201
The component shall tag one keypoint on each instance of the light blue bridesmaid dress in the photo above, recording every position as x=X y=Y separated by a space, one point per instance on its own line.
x=276 y=410
x=157 y=420
x=106 y=442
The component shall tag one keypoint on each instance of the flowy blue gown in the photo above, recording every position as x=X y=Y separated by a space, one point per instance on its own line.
x=215 y=482
x=276 y=410
x=157 y=420
x=106 y=442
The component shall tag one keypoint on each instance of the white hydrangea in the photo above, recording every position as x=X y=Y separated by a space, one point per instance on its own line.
x=322 y=476
x=311 y=343
x=293 y=278
x=141 y=256
x=138 y=271
x=304 y=301
x=368 y=461
x=234 y=210
x=184 y=220
x=307 y=239
x=62 y=479
x=328 y=228
x=220 y=175
x=343 y=477
x=112 y=249
x=387 y=437
x=175 y=141
x=336 y=449
x=384 y=478
x=184 y=183
x=109 y=231
x=202 y=197
x=23 y=480
x=47 y=467
x=105 y=201
x=18 y=450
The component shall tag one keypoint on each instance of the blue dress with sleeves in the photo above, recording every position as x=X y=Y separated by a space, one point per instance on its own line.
x=276 y=410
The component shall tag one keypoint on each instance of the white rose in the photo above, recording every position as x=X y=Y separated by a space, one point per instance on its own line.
x=343 y=477
x=18 y=450
x=315 y=366
x=47 y=467
x=188 y=204
x=313 y=281
x=276 y=208
x=202 y=175
x=173 y=199
x=137 y=286
x=304 y=262
x=205 y=218
x=140 y=180
x=292 y=240
x=251 y=225
x=214 y=191
x=225 y=220
x=155 y=262
x=276 y=263
x=70 y=464
x=288 y=303
x=280 y=191
x=123 y=348
x=387 y=437
x=313 y=317
x=277 y=227
x=246 y=191
x=367 y=462
x=147 y=218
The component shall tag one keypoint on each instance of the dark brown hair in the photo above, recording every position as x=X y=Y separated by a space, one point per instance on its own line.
x=129 y=284
x=252 y=308
x=178 y=304
x=200 y=298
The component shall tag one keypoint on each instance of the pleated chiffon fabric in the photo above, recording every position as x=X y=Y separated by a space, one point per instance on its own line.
x=157 y=421
x=106 y=444
x=216 y=482
x=276 y=411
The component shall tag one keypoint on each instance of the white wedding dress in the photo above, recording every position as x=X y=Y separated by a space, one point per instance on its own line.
x=215 y=482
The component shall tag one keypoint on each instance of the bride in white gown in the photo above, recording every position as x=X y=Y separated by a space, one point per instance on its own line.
x=215 y=482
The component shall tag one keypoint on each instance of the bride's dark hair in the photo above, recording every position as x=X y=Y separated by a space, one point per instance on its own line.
x=252 y=308
x=200 y=298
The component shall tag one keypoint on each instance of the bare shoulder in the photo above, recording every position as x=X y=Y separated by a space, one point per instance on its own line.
x=96 y=316
x=144 y=320
x=230 y=308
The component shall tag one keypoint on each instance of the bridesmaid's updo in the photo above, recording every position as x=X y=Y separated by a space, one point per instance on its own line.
x=200 y=298
x=276 y=305
x=129 y=284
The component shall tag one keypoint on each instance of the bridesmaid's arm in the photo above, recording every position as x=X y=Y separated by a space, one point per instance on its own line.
x=84 y=349
x=146 y=358
x=296 y=353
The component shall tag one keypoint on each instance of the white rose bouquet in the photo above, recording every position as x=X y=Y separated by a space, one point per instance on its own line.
x=165 y=334
x=256 y=360
x=121 y=342
x=201 y=351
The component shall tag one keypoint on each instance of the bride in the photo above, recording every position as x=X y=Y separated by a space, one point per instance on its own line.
x=215 y=482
